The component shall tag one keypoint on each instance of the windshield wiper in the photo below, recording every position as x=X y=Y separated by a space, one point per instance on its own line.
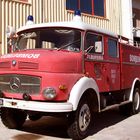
x=68 y=44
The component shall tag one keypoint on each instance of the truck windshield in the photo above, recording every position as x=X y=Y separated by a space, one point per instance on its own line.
x=50 y=38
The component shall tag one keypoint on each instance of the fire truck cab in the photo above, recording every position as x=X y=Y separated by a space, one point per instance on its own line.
x=69 y=69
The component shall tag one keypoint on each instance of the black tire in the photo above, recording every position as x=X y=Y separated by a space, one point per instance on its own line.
x=136 y=102
x=81 y=123
x=134 y=107
x=13 y=118
x=35 y=117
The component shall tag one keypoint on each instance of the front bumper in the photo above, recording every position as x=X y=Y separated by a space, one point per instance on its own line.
x=36 y=105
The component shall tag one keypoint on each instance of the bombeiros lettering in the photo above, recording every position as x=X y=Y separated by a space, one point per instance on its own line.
x=32 y=55
x=134 y=58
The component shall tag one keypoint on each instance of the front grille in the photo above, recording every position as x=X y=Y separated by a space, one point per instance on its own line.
x=14 y=83
x=5 y=64
x=27 y=65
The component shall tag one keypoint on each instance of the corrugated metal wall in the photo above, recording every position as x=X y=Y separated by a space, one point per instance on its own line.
x=54 y=10
x=14 y=13
x=0 y=25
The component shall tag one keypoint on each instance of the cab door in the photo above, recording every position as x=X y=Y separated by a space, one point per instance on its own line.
x=113 y=64
x=95 y=64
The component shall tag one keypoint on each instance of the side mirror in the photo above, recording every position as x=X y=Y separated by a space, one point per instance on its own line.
x=98 y=47
x=11 y=38
x=10 y=32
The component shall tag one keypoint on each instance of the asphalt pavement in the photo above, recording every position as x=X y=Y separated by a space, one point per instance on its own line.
x=108 y=125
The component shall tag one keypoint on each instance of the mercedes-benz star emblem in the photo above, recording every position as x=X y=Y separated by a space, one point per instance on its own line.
x=14 y=62
x=15 y=83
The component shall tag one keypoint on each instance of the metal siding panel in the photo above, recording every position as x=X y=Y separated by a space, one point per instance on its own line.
x=111 y=22
x=0 y=23
x=21 y=14
x=17 y=15
x=13 y=14
x=55 y=10
x=3 y=26
x=48 y=11
x=36 y=10
x=24 y=15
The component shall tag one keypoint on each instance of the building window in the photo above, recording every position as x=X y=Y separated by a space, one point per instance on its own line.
x=86 y=6
x=99 y=7
x=93 y=7
x=112 y=48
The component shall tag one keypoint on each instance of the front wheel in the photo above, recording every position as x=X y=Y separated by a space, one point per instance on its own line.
x=13 y=118
x=35 y=117
x=79 y=128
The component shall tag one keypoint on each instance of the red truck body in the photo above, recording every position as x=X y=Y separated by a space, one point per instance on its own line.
x=46 y=66
x=98 y=72
x=115 y=73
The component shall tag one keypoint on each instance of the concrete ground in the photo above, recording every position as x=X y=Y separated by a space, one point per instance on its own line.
x=109 y=125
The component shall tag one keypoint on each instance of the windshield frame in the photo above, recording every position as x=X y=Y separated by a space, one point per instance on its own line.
x=75 y=30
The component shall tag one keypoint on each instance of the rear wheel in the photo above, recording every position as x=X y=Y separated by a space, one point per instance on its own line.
x=13 y=118
x=134 y=107
x=136 y=102
x=79 y=128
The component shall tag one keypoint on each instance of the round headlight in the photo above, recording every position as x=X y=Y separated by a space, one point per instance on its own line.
x=49 y=93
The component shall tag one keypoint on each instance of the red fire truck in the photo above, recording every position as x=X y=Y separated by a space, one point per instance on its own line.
x=70 y=69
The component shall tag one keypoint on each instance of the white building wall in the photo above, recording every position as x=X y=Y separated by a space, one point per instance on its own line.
x=127 y=19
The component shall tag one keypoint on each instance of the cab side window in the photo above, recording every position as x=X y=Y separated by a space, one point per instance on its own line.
x=94 y=43
x=112 y=48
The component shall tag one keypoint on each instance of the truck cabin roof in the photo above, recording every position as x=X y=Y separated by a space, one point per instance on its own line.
x=71 y=24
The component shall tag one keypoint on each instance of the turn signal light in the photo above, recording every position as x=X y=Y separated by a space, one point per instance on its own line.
x=62 y=87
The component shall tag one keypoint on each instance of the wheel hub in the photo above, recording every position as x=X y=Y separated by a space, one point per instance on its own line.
x=136 y=101
x=84 y=117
